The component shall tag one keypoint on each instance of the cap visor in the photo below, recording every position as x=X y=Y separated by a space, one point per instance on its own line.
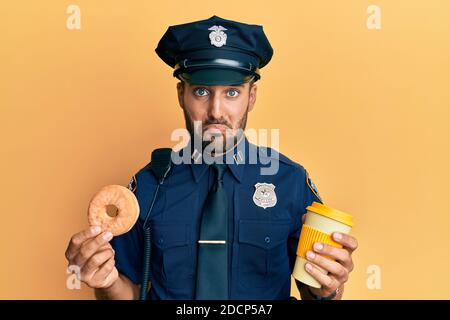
x=216 y=77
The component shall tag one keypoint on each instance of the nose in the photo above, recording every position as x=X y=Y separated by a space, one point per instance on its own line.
x=215 y=106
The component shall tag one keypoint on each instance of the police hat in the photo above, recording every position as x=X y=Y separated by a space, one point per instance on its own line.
x=215 y=51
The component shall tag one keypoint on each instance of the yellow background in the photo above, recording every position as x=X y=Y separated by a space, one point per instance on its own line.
x=365 y=111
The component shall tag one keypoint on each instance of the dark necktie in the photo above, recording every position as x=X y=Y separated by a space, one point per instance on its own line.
x=212 y=263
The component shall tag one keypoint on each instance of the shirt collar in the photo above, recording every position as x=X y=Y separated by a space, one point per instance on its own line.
x=236 y=167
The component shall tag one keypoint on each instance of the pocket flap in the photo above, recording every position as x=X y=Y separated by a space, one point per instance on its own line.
x=168 y=235
x=263 y=234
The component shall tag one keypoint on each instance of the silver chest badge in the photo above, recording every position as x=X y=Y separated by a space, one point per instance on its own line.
x=264 y=195
x=217 y=36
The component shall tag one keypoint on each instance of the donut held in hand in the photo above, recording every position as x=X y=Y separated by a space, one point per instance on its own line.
x=127 y=209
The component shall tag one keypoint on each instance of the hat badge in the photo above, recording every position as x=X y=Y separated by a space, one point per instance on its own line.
x=264 y=195
x=217 y=36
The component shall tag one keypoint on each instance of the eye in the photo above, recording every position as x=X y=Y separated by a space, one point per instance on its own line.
x=232 y=93
x=201 y=92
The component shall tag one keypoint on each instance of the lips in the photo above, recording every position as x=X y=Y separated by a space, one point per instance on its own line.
x=220 y=127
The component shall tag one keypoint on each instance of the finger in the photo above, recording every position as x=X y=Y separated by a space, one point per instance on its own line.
x=338 y=254
x=96 y=261
x=106 y=246
x=102 y=274
x=333 y=267
x=78 y=239
x=303 y=218
x=350 y=243
x=328 y=283
x=90 y=247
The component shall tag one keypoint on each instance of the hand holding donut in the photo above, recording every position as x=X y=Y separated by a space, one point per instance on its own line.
x=90 y=249
x=91 y=252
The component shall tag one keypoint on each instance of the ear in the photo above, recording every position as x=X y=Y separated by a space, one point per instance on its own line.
x=252 y=97
x=180 y=92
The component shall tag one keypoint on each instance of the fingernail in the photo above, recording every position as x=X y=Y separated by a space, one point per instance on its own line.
x=337 y=236
x=107 y=236
x=95 y=229
x=310 y=255
x=318 y=246
x=308 y=267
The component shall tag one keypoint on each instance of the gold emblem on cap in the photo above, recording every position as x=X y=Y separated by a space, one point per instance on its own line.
x=217 y=36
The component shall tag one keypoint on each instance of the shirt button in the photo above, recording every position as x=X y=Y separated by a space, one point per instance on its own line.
x=267 y=239
x=161 y=240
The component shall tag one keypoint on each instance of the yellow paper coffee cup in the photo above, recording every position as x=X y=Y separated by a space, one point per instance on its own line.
x=321 y=221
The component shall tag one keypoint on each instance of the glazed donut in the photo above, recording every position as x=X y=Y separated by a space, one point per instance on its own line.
x=126 y=203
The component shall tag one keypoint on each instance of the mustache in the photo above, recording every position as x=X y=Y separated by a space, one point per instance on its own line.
x=217 y=121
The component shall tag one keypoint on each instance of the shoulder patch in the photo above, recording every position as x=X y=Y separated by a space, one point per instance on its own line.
x=312 y=186
x=132 y=185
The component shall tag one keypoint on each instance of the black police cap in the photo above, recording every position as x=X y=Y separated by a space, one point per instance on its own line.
x=215 y=51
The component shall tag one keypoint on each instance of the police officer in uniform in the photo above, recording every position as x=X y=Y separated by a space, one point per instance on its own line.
x=220 y=229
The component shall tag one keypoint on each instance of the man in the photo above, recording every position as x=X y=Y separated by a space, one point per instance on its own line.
x=220 y=229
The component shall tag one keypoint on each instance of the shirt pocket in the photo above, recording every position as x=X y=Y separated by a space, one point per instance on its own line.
x=263 y=256
x=174 y=253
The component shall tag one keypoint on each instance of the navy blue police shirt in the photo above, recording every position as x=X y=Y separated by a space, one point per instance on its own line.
x=263 y=241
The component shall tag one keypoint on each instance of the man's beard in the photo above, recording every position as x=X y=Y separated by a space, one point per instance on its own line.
x=228 y=142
